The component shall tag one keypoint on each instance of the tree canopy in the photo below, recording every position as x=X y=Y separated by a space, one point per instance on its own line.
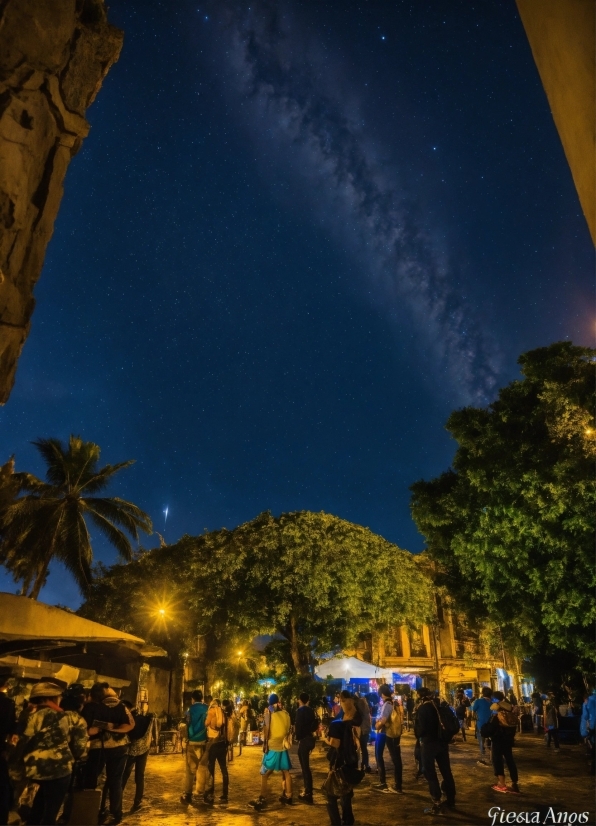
x=511 y=525
x=49 y=521
x=311 y=577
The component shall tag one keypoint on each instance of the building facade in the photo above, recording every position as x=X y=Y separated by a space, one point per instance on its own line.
x=445 y=656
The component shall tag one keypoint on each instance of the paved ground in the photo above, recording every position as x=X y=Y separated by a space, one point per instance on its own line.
x=546 y=779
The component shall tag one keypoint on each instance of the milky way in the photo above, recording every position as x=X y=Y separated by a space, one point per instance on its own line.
x=294 y=104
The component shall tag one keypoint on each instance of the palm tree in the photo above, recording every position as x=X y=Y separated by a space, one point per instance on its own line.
x=49 y=521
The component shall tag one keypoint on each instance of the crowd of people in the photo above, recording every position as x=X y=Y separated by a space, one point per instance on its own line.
x=82 y=742
x=64 y=742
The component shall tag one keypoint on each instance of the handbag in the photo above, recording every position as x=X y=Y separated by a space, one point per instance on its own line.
x=335 y=785
x=288 y=740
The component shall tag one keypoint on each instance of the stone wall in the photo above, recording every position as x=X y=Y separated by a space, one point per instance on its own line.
x=54 y=55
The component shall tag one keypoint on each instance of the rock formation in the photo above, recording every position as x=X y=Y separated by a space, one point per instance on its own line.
x=54 y=55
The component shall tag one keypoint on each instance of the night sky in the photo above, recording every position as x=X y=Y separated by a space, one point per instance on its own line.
x=298 y=235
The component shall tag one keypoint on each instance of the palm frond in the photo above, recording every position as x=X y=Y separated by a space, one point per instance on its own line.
x=28 y=483
x=122 y=513
x=73 y=547
x=84 y=457
x=114 y=535
x=102 y=477
x=53 y=452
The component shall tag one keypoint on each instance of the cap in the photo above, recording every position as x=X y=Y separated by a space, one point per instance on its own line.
x=273 y=699
x=385 y=690
x=45 y=690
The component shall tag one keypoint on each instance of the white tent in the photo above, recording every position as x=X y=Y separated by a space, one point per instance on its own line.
x=351 y=668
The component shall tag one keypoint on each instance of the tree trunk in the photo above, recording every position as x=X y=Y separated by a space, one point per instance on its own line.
x=42 y=573
x=300 y=667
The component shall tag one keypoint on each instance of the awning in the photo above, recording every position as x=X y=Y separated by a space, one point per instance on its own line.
x=22 y=618
x=351 y=668
x=38 y=669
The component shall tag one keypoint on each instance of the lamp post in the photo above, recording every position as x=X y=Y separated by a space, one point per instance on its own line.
x=184 y=665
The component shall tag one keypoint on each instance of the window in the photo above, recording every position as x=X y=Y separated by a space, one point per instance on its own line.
x=417 y=646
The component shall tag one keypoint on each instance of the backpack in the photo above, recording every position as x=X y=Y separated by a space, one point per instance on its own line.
x=508 y=719
x=217 y=731
x=395 y=725
x=142 y=723
x=448 y=722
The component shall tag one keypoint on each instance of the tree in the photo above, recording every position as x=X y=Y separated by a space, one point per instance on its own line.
x=49 y=521
x=310 y=577
x=511 y=525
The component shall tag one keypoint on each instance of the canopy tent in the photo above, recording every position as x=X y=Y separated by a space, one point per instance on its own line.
x=351 y=668
x=36 y=638
x=23 y=619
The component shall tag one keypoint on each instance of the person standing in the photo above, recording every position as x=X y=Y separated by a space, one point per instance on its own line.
x=108 y=723
x=409 y=709
x=218 y=751
x=434 y=749
x=51 y=741
x=343 y=755
x=587 y=727
x=276 y=756
x=503 y=729
x=138 y=752
x=365 y=727
x=305 y=727
x=481 y=708
x=195 y=748
x=389 y=728
x=537 y=706
x=462 y=704
x=551 y=722
x=245 y=720
x=8 y=728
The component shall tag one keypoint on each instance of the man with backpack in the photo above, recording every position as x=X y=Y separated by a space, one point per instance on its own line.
x=138 y=752
x=501 y=728
x=51 y=741
x=434 y=727
x=195 y=748
x=389 y=729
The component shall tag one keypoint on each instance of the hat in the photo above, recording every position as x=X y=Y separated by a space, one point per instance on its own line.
x=45 y=690
x=423 y=691
x=385 y=690
x=273 y=699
